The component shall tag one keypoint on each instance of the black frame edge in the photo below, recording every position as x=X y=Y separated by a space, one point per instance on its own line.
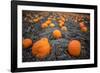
x=13 y=36
x=96 y=36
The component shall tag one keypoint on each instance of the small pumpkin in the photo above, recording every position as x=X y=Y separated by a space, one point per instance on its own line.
x=57 y=34
x=48 y=22
x=41 y=49
x=36 y=20
x=74 y=48
x=61 y=25
x=52 y=25
x=84 y=29
x=64 y=28
x=44 y=25
x=81 y=24
x=26 y=43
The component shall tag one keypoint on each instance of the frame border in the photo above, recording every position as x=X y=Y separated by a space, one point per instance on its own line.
x=14 y=35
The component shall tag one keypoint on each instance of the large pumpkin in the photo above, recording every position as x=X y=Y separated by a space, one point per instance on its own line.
x=74 y=48
x=57 y=34
x=26 y=43
x=41 y=48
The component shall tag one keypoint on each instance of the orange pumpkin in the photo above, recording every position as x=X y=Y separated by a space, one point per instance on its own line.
x=84 y=29
x=48 y=22
x=61 y=24
x=41 y=48
x=36 y=20
x=27 y=43
x=44 y=25
x=74 y=48
x=57 y=34
x=82 y=24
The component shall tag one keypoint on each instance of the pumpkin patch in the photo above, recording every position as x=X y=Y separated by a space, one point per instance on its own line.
x=54 y=36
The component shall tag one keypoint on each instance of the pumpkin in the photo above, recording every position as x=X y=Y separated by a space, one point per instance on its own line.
x=26 y=43
x=64 y=28
x=52 y=25
x=48 y=22
x=84 y=29
x=44 y=25
x=41 y=49
x=61 y=25
x=81 y=24
x=36 y=20
x=74 y=48
x=57 y=34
